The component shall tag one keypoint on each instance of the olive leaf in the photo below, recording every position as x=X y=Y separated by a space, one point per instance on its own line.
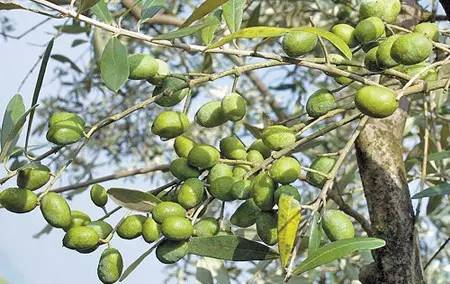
x=100 y=10
x=288 y=220
x=201 y=11
x=136 y=263
x=437 y=190
x=182 y=32
x=232 y=13
x=114 y=64
x=150 y=8
x=314 y=235
x=14 y=110
x=207 y=33
x=133 y=199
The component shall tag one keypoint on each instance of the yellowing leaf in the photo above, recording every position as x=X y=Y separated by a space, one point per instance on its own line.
x=288 y=220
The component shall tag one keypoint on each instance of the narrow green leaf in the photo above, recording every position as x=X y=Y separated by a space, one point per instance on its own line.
x=84 y=5
x=207 y=33
x=136 y=263
x=14 y=110
x=337 y=250
x=439 y=189
x=182 y=32
x=204 y=9
x=288 y=220
x=210 y=271
x=78 y=42
x=439 y=156
x=314 y=235
x=100 y=10
x=63 y=59
x=73 y=29
x=255 y=131
x=232 y=13
x=133 y=199
x=114 y=64
x=150 y=8
x=230 y=248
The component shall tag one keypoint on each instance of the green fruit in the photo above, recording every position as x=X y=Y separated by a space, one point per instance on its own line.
x=384 y=59
x=182 y=170
x=266 y=227
x=177 y=228
x=151 y=231
x=345 y=32
x=234 y=107
x=321 y=164
x=411 y=49
x=170 y=124
x=81 y=238
x=102 y=228
x=259 y=146
x=166 y=209
x=232 y=148
x=254 y=156
x=263 y=191
x=33 y=176
x=370 y=61
x=392 y=10
x=183 y=145
x=206 y=227
x=66 y=116
x=191 y=193
x=339 y=59
x=98 y=195
x=376 y=101
x=299 y=43
x=369 y=30
x=173 y=91
x=285 y=170
x=18 y=200
x=245 y=214
x=110 y=266
x=142 y=66
x=387 y=10
x=131 y=227
x=169 y=252
x=203 y=156
x=55 y=210
x=277 y=137
x=78 y=218
x=219 y=170
x=241 y=189
x=319 y=103
x=220 y=188
x=240 y=171
x=430 y=30
x=210 y=115
x=429 y=75
x=161 y=74
x=337 y=225
x=65 y=133
x=289 y=190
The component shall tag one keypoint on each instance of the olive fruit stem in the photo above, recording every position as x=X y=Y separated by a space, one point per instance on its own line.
x=316 y=172
x=236 y=162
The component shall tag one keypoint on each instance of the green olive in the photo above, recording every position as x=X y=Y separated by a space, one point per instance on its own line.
x=430 y=30
x=276 y=137
x=370 y=61
x=169 y=252
x=33 y=176
x=263 y=191
x=177 y=228
x=369 y=30
x=172 y=91
x=323 y=165
x=166 y=209
x=219 y=170
x=345 y=32
x=384 y=58
x=65 y=133
x=289 y=190
x=296 y=44
x=206 y=227
x=259 y=146
x=102 y=228
x=210 y=115
x=110 y=266
x=142 y=66
x=232 y=148
x=285 y=170
x=376 y=101
x=131 y=227
x=170 y=124
x=18 y=200
x=387 y=10
x=180 y=169
x=98 y=195
x=234 y=107
x=319 y=103
x=191 y=193
x=161 y=74
x=55 y=210
x=220 y=188
x=337 y=225
x=241 y=189
x=151 y=231
x=203 y=156
x=411 y=49
x=78 y=218
x=183 y=145
x=65 y=116
x=81 y=238
x=254 y=156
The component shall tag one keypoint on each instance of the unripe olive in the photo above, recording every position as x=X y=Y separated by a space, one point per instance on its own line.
x=319 y=103
x=161 y=74
x=210 y=114
x=65 y=116
x=183 y=145
x=182 y=170
x=98 y=195
x=245 y=214
x=206 y=227
x=64 y=133
x=232 y=148
x=321 y=164
x=220 y=188
x=387 y=10
x=79 y=218
x=142 y=66
x=266 y=227
x=240 y=171
x=33 y=176
x=276 y=137
x=384 y=58
x=177 y=228
x=289 y=190
x=345 y=32
x=241 y=189
x=110 y=266
x=412 y=48
x=219 y=170
x=234 y=107
x=55 y=210
x=299 y=43
x=169 y=252
x=172 y=92
x=203 y=156
x=102 y=228
x=370 y=61
x=151 y=231
x=429 y=75
x=191 y=193
x=259 y=146
x=369 y=30
x=170 y=124
x=166 y=209
x=131 y=227
x=376 y=101
x=18 y=200
x=254 y=156
x=81 y=238
x=285 y=170
x=263 y=191
x=430 y=30
x=337 y=225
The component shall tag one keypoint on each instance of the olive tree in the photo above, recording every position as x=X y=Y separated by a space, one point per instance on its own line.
x=284 y=137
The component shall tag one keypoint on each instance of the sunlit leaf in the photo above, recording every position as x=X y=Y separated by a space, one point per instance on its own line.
x=232 y=13
x=14 y=110
x=207 y=33
x=150 y=8
x=101 y=11
x=133 y=199
x=288 y=220
x=202 y=10
x=114 y=64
